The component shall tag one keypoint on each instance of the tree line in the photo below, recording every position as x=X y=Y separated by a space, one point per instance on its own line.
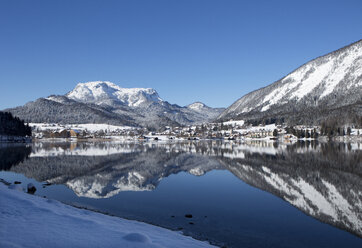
x=301 y=133
x=10 y=125
x=331 y=128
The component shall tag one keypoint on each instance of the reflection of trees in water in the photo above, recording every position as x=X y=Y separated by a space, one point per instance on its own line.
x=13 y=155
x=327 y=155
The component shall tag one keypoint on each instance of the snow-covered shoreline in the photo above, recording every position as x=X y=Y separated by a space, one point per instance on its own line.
x=31 y=221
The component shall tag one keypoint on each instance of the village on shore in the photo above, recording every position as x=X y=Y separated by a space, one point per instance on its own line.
x=231 y=130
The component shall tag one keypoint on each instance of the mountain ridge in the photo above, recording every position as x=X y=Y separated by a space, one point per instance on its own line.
x=106 y=102
x=93 y=92
x=327 y=82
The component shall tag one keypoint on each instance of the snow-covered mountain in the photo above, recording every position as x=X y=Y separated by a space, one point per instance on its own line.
x=103 y=93
x=106 y=102
x=203 y=111
x=197 y=106
x=325 y=87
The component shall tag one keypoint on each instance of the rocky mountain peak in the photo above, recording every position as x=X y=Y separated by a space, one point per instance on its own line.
x=99 y=92
x=197 y=106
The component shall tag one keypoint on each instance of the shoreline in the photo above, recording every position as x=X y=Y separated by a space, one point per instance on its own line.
x=322 y=139
x=143 y=232
x=7 y=184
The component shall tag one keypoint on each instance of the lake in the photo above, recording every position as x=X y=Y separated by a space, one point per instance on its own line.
x=233 y=194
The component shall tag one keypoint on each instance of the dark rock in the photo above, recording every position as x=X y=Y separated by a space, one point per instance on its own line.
x=17 y=182
x=191 y=223
x=188 y=215
x=31 y=188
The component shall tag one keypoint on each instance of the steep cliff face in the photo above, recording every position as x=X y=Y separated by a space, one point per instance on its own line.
x=328 y=86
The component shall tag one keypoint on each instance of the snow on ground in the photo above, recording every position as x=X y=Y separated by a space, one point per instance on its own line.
x=31 y=221
x=90 y=127
x=268 y=128
x=161 y=137
x=234 y=123
x=356 y=131
x=97 y=127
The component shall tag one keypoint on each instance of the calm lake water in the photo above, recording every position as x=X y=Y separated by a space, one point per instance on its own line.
x=257 y=194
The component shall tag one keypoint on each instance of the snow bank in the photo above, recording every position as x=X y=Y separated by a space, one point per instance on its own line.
x=234 y=123
x=31 y=221
x=89 y=127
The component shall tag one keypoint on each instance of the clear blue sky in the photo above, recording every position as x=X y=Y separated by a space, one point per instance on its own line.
x=189 y=50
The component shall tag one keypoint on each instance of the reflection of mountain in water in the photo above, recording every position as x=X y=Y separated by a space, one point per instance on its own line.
x=326 y=185
x=322 y=180
x=133 y=168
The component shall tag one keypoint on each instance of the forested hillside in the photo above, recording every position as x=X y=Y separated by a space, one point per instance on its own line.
x=10 y=125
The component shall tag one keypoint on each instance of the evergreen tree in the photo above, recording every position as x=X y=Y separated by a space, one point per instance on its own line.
x=303 y=133
x=275 y=133
x=349 y=131
x=315 y=134
x=10 y=125
x=307 y=134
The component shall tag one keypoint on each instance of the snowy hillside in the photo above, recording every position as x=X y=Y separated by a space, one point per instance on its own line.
x=326 y=83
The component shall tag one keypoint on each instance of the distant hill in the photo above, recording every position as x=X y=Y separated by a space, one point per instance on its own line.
x=328 y=87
